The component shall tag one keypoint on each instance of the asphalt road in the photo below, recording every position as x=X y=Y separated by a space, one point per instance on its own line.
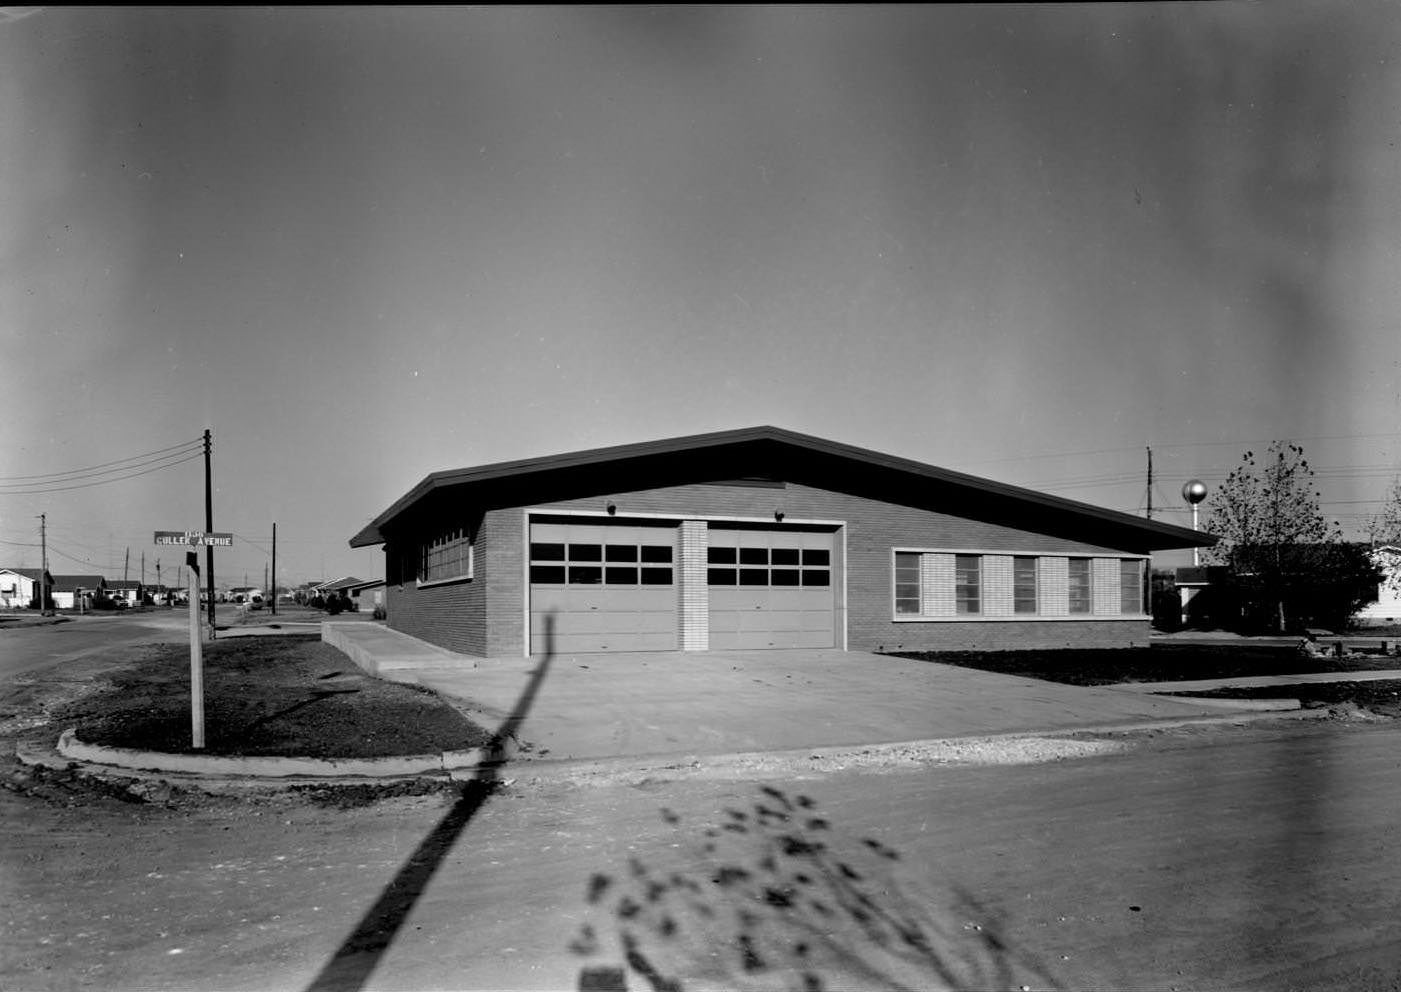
x=1230 y=858
x=30 y=648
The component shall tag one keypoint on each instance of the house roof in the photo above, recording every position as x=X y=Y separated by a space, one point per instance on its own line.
x=29 y=573
x=68 y=583
x=123 y=584
x=774 y=453
x=347 y=582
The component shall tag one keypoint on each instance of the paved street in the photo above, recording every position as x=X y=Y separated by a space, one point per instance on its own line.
x=29 y=648
x=1203 y=859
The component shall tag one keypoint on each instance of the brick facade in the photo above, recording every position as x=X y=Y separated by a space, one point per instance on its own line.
x=486 y=615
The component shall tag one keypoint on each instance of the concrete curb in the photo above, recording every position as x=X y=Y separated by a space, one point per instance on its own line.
x=1226 y=703
x=1017 y=748
x=447 y=762
x=219 y=773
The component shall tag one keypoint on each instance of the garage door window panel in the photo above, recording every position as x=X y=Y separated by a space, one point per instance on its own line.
x=585 y=575
x=547 y=574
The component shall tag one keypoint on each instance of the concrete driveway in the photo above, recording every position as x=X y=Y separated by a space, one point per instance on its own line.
x=725 y=702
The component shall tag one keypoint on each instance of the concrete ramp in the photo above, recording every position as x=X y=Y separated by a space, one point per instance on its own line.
x=381 y=651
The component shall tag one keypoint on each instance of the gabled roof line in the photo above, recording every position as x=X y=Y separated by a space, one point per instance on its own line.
x=370 y=534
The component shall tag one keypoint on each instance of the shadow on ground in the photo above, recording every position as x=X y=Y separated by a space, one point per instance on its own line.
x=351 y=966
x=774 y=897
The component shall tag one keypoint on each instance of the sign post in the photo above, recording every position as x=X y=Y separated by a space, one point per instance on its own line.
x=196 y=660
x=194 y=539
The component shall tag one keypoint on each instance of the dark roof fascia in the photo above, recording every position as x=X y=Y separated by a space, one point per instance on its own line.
x=1168 y=535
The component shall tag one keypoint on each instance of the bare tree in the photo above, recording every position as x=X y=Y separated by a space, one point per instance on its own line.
x=1284 y=556
x=1385 y=527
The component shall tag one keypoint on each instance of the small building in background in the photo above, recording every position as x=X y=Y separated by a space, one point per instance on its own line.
x=1387 y=608
x=19 y=587
x=367 y=596
x=77 y=592
x=128 y=592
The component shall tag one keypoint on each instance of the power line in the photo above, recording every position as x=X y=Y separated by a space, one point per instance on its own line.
x=81 y=561
x=59 y=476
x=1180 y=445
x=103 y=482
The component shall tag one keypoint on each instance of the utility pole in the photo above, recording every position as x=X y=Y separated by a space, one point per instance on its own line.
x=272 y=586
x=158 y=573
x=126 y=565
x=143 y=568
x=43 y=566
x=1150 y=483
x=209 y=527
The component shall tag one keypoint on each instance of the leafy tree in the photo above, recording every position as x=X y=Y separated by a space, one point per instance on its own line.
x=1289 y=567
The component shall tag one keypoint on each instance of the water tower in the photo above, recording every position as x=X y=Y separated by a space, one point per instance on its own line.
x=1194 y=492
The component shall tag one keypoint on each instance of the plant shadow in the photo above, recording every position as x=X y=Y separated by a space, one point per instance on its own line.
x=773 y=896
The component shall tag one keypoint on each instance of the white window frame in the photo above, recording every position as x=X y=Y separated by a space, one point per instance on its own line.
x=1040 y=616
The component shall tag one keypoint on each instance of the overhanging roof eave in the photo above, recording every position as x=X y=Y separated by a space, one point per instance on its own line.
x=1151 y=533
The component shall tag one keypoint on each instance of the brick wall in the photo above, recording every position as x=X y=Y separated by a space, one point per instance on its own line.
x=486 y=616
x=1019 y=635
x=872 y=529
x=694 y=605
x=452 y=615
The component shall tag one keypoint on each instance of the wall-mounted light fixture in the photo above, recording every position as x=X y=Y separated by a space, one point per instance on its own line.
x=778 y=515
x=612 y=509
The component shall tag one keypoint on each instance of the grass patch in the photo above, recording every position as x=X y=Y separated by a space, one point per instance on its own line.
x=266 y=696
x=1159 y=663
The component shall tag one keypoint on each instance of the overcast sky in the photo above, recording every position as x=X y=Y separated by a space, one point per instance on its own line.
x=361 y=245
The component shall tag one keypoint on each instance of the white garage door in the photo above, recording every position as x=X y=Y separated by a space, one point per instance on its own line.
x=770 y=588
x=608 y=586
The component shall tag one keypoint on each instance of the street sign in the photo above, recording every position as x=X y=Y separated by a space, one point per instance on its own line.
x=194 y=538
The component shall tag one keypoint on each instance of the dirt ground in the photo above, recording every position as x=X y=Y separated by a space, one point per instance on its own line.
x=277 y=695
x=1082 y=866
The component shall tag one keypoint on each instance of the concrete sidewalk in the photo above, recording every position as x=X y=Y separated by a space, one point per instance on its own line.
x=724 y=702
